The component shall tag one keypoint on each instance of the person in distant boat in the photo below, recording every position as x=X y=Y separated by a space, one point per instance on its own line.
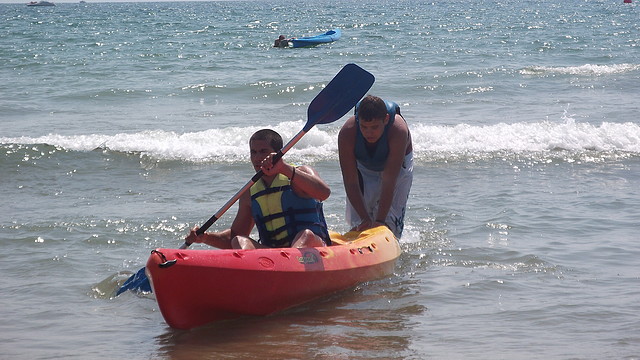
x=376 y=160
x=281 y=41
x=285 y=204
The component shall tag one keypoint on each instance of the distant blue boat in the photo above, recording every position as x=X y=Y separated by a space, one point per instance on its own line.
x=41 y=3
x=329 y=36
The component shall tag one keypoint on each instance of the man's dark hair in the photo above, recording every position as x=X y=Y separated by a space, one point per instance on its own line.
x=274 y=139
x=371 y=108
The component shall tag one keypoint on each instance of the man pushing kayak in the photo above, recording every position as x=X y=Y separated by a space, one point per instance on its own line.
x=376 y=159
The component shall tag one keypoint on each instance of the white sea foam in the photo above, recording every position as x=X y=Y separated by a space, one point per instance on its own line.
x=221 y=145
x=528 y=137
x=230 y=144
x=586 y=70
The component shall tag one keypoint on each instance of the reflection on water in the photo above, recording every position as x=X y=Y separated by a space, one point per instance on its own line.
x=370 y=321
x=107 y=288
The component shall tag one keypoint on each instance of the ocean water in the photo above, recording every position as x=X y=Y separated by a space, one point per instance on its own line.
x=123 y=125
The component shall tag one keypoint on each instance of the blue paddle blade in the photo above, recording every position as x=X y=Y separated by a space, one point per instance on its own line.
x=137 y=282
x=340 y=95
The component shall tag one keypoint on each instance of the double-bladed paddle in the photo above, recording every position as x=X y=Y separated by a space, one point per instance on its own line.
x=339 y=96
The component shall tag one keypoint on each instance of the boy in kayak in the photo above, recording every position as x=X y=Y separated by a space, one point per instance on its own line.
x=376 y=159
x=285 y=204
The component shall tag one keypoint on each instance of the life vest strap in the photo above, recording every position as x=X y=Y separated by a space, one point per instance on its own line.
x=288 y=213
x=270 y=190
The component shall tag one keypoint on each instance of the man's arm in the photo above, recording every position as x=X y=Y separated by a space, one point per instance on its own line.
x=398 y=142
x=305 y=181
x=348 y=166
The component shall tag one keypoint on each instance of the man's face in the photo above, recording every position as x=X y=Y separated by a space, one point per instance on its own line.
x=259 y=150
x=373 y=129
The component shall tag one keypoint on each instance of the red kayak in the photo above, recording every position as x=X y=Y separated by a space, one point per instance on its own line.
x=196 y=287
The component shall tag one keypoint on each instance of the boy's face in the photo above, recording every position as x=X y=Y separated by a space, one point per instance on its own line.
x=259 y=150
x=373 y=129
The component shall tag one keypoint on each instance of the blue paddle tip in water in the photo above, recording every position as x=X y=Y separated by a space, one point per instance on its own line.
x=137 y=282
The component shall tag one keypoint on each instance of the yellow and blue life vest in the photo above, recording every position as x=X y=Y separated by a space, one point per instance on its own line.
x=375 y=158
x=280 y=214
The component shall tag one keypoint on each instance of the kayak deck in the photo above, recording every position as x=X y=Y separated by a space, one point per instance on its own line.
x=203 y=286
x=327 y=37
